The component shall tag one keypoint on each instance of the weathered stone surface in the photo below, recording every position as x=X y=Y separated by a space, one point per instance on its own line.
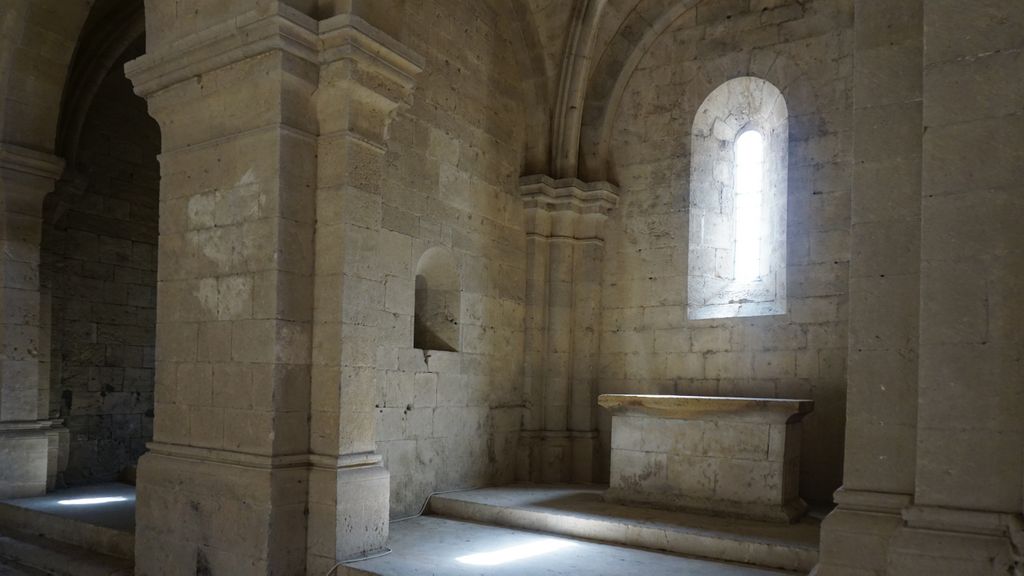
x=312 y=151
x=581 y=511
x=98 y=278
x=764 y=410
x=565 y=221
x=732 y=456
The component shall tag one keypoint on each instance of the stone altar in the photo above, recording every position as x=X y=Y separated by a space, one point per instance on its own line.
x=724 y=456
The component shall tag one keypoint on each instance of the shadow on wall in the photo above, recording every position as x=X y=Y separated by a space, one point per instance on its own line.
x=99 y=262
x=436 y=320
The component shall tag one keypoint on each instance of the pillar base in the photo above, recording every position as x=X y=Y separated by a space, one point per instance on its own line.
x=941 y=541
x=856 y=536
x=349 y=510
x=877 y=533
x=204 y=511
x=30 y=455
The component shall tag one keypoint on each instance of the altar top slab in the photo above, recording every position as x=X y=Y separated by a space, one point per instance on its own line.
x=772 y=410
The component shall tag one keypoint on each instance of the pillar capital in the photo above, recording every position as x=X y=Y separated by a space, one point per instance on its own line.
x=566 y=207
x=349 y=37
x=542 y=191
x=274 y=27
x=366 y=76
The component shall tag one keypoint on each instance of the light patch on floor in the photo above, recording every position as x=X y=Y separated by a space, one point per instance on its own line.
x=108 y=505
x=430 y=545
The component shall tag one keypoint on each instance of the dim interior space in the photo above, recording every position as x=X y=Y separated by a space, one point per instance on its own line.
x=436 y=287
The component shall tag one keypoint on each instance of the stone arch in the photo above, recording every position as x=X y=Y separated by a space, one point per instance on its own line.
x=35 y=72
x=438 y=301
x=108 y=34
x=98 y=273
x=97 y=255
x=638 y=32
x=536 y=91
x=38 y=40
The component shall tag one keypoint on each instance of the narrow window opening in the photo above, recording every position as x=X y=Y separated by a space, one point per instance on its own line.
x=749 y=176
x=738 y=202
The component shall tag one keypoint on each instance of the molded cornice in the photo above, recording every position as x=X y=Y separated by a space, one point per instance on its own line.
x=28 y=161
x=541 y=191
x=281 y=29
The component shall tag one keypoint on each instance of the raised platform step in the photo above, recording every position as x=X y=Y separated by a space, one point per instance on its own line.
x=581 y=512
x=57 y=558
x=431 y=546
x=9 y=568
x=100 y=518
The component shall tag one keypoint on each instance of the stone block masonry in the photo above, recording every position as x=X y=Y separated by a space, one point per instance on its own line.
x=648 y=346
x=99 y=266
x=735 y=457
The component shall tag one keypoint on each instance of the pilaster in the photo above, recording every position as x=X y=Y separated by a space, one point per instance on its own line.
x=365 y=78
x=28 y=440
x=881 y=436
x=565 y=222
x=856 y=537
x=968 y=495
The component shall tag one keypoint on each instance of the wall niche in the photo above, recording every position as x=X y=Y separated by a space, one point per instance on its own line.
x=438 y=295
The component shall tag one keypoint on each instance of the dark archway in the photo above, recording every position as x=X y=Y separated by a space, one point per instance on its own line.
x=98 y=258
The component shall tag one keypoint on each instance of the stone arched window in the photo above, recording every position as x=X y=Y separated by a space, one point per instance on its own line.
x=436 y=320
x=738 y=193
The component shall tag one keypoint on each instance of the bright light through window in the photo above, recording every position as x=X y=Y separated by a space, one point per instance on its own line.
x=749 y=181
x=91 y=501
x=521 y=552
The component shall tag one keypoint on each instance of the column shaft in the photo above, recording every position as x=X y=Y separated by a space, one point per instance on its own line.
x=565 y=220
x=28 y=440
x=968 y=494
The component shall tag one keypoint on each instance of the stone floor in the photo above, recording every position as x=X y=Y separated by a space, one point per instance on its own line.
x=84 y=531
x=581 y=512
x=107 y=505
x=430 y=545
x=510 y=530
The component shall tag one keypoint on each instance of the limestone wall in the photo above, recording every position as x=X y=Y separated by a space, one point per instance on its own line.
x=450 y=419
x=99 y=265
x=648 y=346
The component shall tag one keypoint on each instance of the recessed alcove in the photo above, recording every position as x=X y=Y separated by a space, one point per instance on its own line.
x=438 y=296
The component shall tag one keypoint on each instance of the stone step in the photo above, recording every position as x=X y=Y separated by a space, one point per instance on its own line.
x=432 y=545
x=581 y=512
x=8 y=568
x=57 y=558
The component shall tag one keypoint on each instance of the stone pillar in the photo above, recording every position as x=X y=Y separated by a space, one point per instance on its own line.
x=933 y=456
x=28 y=439
x=881 y=416
x=223 y=489
x=565 y=255
x=966 y=515
x=365 y=77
